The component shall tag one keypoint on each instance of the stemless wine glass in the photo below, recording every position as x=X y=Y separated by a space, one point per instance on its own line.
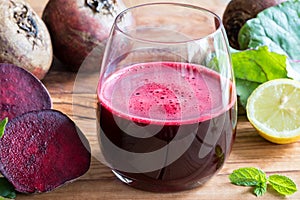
x=166 y=97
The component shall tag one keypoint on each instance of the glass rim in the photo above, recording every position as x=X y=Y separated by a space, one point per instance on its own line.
x=209 y=12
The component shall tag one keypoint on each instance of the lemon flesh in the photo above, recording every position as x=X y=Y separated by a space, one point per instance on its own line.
x=273 y=109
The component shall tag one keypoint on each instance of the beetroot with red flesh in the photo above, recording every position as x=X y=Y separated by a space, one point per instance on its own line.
x=20 y=92
x=42 y=150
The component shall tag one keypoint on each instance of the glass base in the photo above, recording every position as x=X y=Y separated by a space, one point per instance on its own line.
x=159 y=186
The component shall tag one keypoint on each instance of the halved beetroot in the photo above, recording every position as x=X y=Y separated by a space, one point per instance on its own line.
x=42 y=150
x=20 y=92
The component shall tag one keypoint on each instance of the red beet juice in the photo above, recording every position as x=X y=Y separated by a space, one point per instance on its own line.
x=166 y=126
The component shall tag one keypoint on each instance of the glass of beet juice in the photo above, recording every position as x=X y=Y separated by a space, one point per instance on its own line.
x=166 y=97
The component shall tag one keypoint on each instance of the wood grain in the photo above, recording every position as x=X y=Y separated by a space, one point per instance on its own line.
x=99 y=183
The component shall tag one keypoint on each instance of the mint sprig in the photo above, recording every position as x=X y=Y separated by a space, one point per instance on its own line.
x=250 y=176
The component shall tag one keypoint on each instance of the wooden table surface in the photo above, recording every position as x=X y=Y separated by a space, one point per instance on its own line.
x=99 y=183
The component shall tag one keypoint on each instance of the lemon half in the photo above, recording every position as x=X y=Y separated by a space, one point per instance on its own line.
x=273 y=109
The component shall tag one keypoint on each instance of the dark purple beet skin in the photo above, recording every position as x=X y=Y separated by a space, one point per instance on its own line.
x=42 y=150
x=20 y=92
x=78 y=26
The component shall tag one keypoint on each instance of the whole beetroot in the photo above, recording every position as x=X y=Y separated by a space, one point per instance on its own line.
x=78 y=26
x=24 y=38
x=238 y=12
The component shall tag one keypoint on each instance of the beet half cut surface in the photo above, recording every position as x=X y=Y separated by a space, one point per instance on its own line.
x=20 y=92
x=42 y=150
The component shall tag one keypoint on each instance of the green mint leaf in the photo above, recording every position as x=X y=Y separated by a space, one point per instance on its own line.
x=276 y=27
x=2 y=126
x=6 y=189
x=260 y=189
x=248 y=176
x=282 y=184
x=254 y=67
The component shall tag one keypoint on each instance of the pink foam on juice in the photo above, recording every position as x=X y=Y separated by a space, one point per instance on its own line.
x=168 y=93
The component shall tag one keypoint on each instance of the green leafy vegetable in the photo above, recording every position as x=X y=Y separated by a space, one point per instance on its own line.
x=253 y=67
x=276 y=27
x=6 y=189
x=250 y=176
x=282 y=184
x=2 y=126
x=244 y=89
